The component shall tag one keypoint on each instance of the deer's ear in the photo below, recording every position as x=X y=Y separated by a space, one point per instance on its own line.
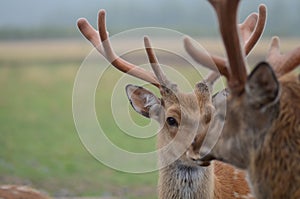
x=143 y=101
x=262 y=87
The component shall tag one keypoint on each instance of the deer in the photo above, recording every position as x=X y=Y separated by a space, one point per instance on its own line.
x=20 y=192
x=257 y=127
x=183 y=117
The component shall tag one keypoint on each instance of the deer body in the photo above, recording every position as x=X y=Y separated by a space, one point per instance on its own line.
x=267 y=142
x=274 y=166
x=20 y=192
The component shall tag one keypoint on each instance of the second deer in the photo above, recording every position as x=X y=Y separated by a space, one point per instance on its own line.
x=261 y=127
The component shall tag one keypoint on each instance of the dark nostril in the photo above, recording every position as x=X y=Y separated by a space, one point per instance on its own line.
x=195 y=157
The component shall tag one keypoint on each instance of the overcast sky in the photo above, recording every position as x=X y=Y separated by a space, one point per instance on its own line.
x=133 y=13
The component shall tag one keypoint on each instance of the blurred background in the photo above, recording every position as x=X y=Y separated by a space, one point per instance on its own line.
x=41 y=51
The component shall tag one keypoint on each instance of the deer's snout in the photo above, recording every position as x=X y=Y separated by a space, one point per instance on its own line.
x=193 y=152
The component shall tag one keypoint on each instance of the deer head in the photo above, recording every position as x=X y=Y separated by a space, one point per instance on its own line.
x=167 y=110
x=253 y=102
x=176 y=111
x=244 y=119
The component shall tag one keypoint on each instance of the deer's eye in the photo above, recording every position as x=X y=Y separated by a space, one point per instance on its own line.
x=172 y=122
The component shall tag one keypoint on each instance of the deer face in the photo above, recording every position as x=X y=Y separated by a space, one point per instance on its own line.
x=183 y=118
x=244 y=119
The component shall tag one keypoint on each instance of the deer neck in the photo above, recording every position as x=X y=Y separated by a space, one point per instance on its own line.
x=184 y=181
x=273 y=167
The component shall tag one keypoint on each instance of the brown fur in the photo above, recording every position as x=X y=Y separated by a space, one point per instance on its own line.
x=20 y=192
x=263 y=137
x=218 y=180
x=274 y=168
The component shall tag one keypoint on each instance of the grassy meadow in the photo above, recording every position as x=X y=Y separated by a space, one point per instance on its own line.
x=39 y=144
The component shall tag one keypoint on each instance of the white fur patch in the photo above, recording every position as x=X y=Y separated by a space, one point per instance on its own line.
x=150 y=100
x=240 y=196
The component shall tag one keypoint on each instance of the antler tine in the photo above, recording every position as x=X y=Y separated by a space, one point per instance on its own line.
x=206 y=59
x=90 y=34
x=227 y=15
x=282 y=64
x=101 y=41
x=254 y=35
x=156 y=66
x=251 y=30
x=247 y=27
x=211 y=78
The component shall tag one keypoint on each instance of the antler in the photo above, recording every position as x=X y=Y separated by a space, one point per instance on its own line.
x=250 y=35
x=227 y=16
x=281 y=63
x=164 y=82
x=205 y=59
x=101 y=41
x=251 y=30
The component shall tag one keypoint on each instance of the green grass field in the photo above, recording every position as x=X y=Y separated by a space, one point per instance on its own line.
x=39 y=145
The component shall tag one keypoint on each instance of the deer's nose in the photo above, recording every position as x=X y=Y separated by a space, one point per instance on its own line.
x=195 y=157
x=192 y=154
